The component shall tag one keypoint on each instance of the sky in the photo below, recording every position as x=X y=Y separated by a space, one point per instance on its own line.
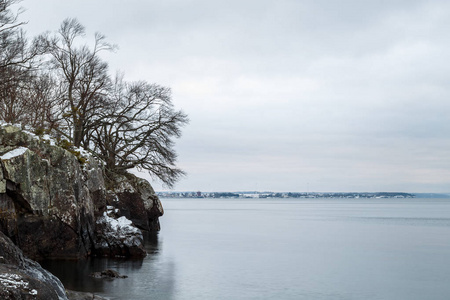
x=288 y=95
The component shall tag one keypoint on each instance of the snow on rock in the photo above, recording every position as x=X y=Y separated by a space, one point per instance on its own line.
x=3 y=123
x=13 y=153
x=30 y=133
x=22 y=278
x=124 y=186
x=111 y=211
x=16 y=282
x=118 y=237
x=35 y=270
x=122 y=226
x=83 y=152
x=48 y=138
x=13 y=281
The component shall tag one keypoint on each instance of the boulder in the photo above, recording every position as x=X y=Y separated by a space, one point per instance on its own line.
x=137 y=201
x=22 y=278
x=117 y=237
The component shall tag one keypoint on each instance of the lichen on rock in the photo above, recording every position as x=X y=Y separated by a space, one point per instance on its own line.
x=46 y=208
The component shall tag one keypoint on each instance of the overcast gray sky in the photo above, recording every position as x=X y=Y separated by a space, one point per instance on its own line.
x=289 y=95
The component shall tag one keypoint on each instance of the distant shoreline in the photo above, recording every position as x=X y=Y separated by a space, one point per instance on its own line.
x=262 y=195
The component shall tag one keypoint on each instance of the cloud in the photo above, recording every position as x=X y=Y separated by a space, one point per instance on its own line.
x=346 y=95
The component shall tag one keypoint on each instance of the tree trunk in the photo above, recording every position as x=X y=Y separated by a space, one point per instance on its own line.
x=77 y=133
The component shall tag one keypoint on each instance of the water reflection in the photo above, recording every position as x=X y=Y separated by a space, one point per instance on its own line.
x=302 y=249
x=151 y=242
x=151 y=275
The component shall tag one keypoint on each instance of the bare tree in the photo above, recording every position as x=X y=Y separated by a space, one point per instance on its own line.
x=29 y=99
x=12 y=106
x=12 y=41
x=128 y=125
x=15 y=50
x=19 y=60
x=41 y=97
x=137 y=130
x=83 y=78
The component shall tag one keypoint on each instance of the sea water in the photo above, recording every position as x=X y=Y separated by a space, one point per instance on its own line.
x=284 y=249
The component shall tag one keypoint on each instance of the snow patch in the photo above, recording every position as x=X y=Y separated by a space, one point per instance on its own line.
x=116 y=198
x=14 y=153
x=124 y=186
x=3 y=123
x=30 y=134
x=122 y=225
x=14 y=281
x=119 y=232
x=47 y=137
x=83 y=152
x=111 y=211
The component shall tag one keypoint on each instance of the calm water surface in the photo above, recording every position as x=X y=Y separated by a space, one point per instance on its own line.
x=284 y=249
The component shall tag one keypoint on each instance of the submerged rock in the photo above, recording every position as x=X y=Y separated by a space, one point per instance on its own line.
x=73 y=295
x=111 y=274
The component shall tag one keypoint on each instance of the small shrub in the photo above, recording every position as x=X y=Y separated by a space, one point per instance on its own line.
x=65 y=144
x=82 y=160
x=39 y=131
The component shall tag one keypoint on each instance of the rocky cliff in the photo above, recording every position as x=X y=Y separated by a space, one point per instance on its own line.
x=54 y=204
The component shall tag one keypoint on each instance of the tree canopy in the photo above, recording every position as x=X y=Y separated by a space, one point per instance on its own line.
x=58 y=84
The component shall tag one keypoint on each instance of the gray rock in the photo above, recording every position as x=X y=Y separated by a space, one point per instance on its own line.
x=117 y=237
x=137 y=201
x=54 y=206
x=45 y=207
x=22 y=278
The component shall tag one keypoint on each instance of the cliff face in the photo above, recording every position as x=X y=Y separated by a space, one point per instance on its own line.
x=46 y=207
x=53 y=206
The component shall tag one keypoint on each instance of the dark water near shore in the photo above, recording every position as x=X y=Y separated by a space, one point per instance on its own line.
x=284 y=249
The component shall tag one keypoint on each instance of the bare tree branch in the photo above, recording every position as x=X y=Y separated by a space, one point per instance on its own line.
x=83 y=76
x=137 y=130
